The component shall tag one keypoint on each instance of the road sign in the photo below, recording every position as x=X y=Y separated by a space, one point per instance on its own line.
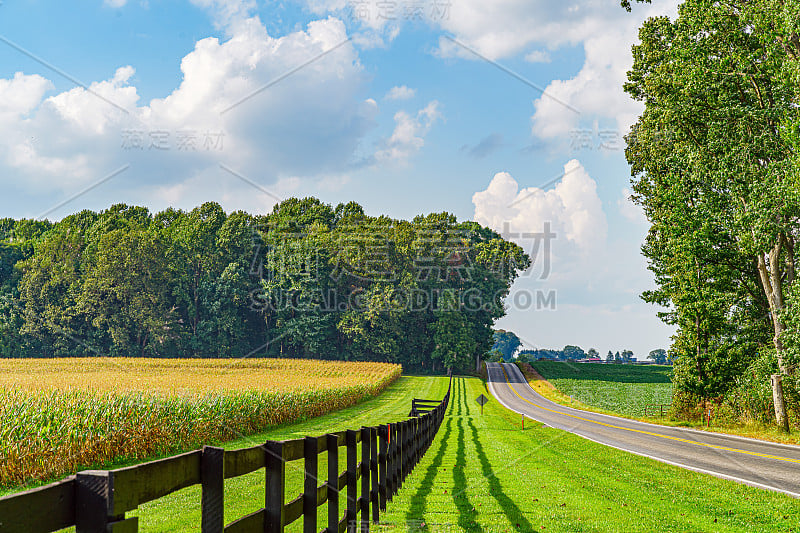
x=482 y=400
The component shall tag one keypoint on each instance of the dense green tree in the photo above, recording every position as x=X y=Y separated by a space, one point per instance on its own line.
x=715 y=172
x=573 y=352
x=658 y=356
x=126 y=292
x=306 y=280
x=506 y=342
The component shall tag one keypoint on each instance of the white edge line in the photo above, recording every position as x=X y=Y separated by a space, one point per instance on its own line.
x=792 y=447
x=681 y=465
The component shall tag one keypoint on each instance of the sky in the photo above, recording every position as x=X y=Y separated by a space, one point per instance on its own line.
x=510 y=113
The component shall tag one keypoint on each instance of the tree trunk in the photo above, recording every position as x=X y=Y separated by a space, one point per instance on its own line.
x=778 y=401
x=478 y=362
x=771 y=281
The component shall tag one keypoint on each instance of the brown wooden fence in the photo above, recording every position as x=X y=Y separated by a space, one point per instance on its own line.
x=97 y=500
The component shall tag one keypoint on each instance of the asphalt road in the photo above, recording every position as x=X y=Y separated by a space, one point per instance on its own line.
x=760 y=464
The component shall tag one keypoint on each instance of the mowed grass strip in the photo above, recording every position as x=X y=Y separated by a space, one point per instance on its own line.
x=180 y=512
x=484 y=474
x=623 y=389
x=60 y=416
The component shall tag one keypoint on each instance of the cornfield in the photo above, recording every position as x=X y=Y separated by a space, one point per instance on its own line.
x=61 y=415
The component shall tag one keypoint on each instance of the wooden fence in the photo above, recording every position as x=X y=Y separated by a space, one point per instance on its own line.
x=96 y=501
x=657 y=410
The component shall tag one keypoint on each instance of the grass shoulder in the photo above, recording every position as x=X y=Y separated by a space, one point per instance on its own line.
x=483 y=473
x=624 y=390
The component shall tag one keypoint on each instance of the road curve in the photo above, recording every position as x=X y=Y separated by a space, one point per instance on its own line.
x=760 y=464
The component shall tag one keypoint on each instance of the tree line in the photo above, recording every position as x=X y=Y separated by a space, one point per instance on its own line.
x=306 y=280
x=714 y=159
x=507 y=343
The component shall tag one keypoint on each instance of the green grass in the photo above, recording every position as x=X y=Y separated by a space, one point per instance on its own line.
x=181 y=511
x=484 y=474
x=623 y=389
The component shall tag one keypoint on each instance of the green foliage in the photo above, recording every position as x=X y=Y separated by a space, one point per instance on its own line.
x=506 y=342
x=750 y=399
x=307 y=280
x=573 y=352
x=714 y=165
x=658 y=356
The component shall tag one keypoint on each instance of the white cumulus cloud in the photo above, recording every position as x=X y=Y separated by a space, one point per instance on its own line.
x=533 y=29
x=400 y=93
x=307 y=126
x=572 y=209
x=537 y=56
x=409 y=133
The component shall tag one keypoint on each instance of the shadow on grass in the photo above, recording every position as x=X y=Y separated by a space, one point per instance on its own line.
x=459 y=384
x=466 y=511
x=419 y=502
x=463 y=388
x=510 y=509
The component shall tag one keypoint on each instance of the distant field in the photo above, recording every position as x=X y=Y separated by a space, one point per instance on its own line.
x=623 y=389
x=59 y=415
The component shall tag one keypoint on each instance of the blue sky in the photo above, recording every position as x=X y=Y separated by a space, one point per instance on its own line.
x=510 y=113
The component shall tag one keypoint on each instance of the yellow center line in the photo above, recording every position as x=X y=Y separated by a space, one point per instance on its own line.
x=678 y=439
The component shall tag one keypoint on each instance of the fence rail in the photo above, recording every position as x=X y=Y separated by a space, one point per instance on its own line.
x=97 y=500
x=657 y=410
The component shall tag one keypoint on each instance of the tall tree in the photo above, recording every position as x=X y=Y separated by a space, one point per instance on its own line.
x=658 y=356
x=506 y=342
x=717 y=100
x=127 y=292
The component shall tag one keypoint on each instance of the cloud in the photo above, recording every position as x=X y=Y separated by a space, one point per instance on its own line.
x=630 y=210
x=400 y=93
x=308 y=124
x=485 y=147
x=572 y=208
x=596 y=90
x=21 y=94
x=115 y=3
x=537 y=56
x=409 y=133
x=497 y=31
x=227 y=14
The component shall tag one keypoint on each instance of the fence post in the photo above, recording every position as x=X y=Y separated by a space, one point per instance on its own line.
x=275 y=483
x=365 y=474
x=373 y=467
x=428 y=432
x=212 y=478
x=420 y=434
x=352 y=474
x=415 y=441
x=401 y=464
x=391 y=463
x=310 y=447
x=398 y=467
x=95 y=503
x=333 y=482
x=383 y=445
